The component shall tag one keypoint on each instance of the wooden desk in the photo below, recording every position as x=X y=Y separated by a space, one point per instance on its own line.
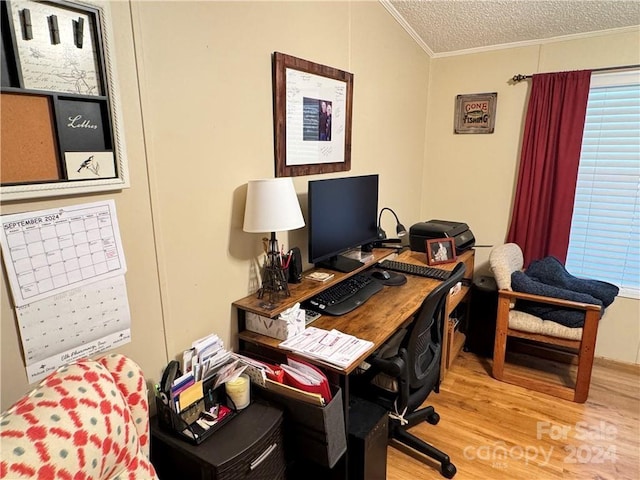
x=376 y=320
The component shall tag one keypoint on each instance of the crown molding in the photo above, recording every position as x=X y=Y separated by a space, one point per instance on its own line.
x=543 y=41
x=394 y=13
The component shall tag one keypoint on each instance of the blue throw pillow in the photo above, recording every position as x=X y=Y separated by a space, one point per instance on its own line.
x=521 y=282
x=551 y=271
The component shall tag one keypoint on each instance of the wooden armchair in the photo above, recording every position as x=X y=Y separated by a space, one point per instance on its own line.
x=504 y=260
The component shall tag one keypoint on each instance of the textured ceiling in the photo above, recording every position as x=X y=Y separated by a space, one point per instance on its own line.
x=445 y=26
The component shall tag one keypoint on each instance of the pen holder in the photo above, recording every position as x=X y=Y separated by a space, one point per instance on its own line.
x=274 y=281
x=185 y=424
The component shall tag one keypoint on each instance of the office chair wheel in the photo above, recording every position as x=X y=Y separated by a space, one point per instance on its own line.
x=448 y=470
x=433 y=419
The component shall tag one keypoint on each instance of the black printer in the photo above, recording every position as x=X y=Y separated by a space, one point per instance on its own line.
x=423 y=231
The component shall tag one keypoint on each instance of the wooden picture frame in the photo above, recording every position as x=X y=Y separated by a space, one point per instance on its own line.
x=59 y=79
x=312 y=117
x=440 y=250
x=475 y=113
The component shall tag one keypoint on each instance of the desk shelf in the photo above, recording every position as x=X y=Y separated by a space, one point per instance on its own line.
x=454 y=337
x=304 y=290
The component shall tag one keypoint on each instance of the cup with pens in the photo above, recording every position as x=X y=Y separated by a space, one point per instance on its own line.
x=275 y=282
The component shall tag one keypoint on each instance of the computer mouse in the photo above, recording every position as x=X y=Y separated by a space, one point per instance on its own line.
x=381 y=275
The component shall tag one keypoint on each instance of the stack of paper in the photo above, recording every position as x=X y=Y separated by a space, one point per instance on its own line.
x=306 y=377
x=334 y=347
x=303 y=383
x=259 y=371
x=205 y=357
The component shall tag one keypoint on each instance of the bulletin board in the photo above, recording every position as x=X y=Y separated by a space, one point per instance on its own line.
x=60 y=111
x=29 y=145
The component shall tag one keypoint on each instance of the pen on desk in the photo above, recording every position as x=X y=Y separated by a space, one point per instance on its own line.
x=287 y=260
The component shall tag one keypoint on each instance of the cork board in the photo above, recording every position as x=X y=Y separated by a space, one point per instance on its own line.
x=28 y=149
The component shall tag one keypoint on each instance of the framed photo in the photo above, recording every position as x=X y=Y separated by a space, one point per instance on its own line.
x=312 y=117
x=475 y=113
x=441 y=250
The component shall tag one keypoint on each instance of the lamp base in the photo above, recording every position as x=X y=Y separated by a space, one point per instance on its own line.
x=274 y=280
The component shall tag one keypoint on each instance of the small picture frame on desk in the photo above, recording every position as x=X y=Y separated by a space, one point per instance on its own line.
x=440 y=250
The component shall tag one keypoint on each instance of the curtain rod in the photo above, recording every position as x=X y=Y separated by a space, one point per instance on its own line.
x=519 y=77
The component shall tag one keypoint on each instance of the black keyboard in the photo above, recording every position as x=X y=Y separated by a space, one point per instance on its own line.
x=411 y=269
x=344 y=296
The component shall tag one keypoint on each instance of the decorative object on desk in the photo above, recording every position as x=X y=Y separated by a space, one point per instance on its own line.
x=440 y=250
x=320 y=276
x=272 y=206
x=475 y=113
x=239 y=391
x=401 y=231
x=312 y=117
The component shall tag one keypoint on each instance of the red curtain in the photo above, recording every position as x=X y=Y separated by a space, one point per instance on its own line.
x=543 y=206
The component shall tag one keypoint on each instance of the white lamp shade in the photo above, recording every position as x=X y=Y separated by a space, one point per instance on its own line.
x=272 y=206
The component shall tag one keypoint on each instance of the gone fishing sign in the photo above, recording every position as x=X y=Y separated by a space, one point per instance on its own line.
x=475 y=113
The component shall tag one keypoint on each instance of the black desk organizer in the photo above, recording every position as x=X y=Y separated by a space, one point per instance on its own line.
x=174 y=423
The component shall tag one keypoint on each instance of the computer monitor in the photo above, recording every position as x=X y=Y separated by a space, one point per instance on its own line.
x=342 y=215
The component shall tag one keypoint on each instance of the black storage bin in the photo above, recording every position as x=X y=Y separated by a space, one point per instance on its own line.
x=312 y=433
x=481 y=328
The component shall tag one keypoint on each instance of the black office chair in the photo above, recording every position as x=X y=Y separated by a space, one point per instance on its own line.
x=412 y=358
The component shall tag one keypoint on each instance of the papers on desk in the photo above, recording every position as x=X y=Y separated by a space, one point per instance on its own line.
x=332 y=347
x=205 y=358
x=295 y=379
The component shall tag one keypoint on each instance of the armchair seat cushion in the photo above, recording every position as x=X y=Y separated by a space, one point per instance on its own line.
x=526 y=322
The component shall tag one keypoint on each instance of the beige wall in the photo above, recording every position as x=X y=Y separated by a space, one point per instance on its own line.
x=482 y=169
x=198 y=126
x=195 y=81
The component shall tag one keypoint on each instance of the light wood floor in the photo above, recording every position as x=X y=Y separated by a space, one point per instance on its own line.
x=493 y=430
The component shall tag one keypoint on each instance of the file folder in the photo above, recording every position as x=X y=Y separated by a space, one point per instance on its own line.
x=303 y=380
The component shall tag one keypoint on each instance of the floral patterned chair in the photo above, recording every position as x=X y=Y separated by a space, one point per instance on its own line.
x=87 y=420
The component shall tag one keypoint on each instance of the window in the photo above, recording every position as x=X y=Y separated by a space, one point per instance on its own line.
x=605 y=230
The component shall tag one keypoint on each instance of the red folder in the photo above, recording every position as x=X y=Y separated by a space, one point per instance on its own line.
x=275 y=373
x=322 y=389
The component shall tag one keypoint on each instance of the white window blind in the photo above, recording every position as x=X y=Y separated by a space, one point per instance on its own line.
x=605 y=229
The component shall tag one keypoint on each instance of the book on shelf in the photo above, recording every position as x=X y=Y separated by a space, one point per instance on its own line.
x=319 y=276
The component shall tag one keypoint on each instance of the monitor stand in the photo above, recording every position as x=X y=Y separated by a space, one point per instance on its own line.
x=340 y=263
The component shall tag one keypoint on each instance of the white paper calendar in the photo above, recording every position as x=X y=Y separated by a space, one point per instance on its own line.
x=52 y=251
x=74 y=324
x=66 y=270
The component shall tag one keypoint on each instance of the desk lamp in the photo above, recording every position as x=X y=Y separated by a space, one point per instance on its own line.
x=401 y=231
x=272 y=206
